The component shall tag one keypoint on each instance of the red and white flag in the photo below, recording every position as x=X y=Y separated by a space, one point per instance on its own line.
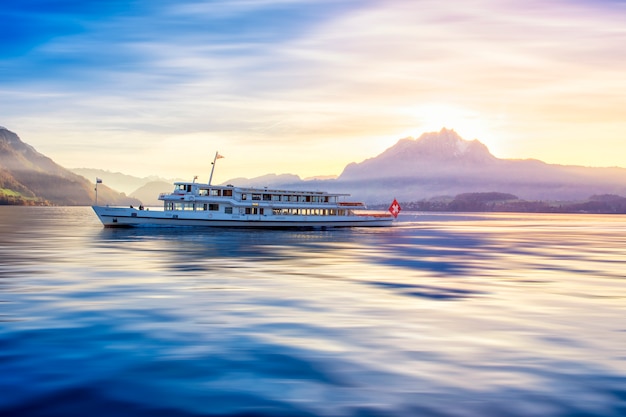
x=395 y=208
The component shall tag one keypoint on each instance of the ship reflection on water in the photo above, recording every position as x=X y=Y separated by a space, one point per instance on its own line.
x=451 y=315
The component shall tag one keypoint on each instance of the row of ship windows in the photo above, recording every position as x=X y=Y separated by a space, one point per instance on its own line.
x=192 y=206
x=290 y=198
x=175 y=206
x=267 y=197
x=205 y=191
x=216 y=193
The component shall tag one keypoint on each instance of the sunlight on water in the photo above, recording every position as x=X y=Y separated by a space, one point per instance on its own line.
x=443 y=315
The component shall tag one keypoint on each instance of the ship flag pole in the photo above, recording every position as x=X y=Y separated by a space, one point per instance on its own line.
x=98 y=181
x=217 y=156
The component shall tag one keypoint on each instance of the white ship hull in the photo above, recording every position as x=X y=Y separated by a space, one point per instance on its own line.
x=132 y=217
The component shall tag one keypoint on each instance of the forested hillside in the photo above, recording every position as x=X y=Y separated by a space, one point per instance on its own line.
x=28 y=177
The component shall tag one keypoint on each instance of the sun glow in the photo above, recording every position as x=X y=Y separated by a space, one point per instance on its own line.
x=433 y=117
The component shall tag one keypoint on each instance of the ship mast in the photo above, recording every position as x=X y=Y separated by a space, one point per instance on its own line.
x=217 y=156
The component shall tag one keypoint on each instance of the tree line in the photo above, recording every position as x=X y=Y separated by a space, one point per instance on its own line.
x=503 y=202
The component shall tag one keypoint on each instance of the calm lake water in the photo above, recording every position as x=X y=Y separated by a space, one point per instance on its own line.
x=444 y=315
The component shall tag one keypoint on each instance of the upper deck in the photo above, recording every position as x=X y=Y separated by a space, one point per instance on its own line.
x=185 y=190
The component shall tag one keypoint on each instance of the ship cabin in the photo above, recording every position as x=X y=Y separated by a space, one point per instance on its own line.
x=192 y=196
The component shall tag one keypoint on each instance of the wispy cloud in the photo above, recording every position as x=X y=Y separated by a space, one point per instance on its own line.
x=309 y=76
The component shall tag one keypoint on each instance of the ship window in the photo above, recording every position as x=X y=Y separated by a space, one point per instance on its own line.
x=183 y=206
x=228 y=210
x=267 y=197
x=228 y=193
x=256 y=196
x=214 y=207
x=244 y=196
x=216 y=193
x=203 y=192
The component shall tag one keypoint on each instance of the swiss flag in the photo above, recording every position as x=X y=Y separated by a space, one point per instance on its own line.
x=395 y=208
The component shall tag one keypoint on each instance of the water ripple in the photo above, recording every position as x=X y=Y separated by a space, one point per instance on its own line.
x=446 y=315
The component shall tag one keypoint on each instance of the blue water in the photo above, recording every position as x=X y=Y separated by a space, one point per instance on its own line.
x=444 y=315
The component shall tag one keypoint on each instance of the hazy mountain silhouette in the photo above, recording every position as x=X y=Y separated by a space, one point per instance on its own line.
x=442 y=163
x=435 y=164
x=29 y=177
x=148 y=193
x=268 y=180
x=128 y=184
x=432 y=154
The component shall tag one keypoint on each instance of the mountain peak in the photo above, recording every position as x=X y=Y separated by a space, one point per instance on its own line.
x=446 y=140
x=10 y=139
x=432 y=150
x=443 y=145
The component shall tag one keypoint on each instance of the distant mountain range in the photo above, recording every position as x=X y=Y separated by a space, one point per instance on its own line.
x=30 y=178
x=442 y=164
x=144 y=189
x=437 y=165
x=122 y=182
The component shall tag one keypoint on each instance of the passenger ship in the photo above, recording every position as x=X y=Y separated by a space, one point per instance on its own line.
x=197 y=204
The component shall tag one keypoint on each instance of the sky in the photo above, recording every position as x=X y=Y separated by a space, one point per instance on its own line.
x=156 y=87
